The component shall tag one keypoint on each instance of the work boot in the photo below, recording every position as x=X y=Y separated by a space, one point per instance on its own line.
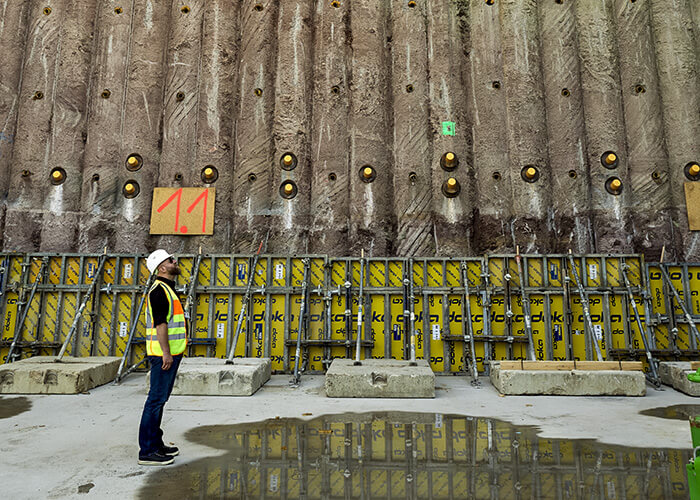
x=172 y=451
x=156 y=459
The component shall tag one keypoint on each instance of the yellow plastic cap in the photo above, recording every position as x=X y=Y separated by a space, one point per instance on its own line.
x=132 y=161
x=611 y=158
x=531 y=172
x=129 y=188
x=57 y=175
x=208 y=172
x=694 y=169
x=288 y=160
x=615 y=184
x=288 y=189
x=367 y=172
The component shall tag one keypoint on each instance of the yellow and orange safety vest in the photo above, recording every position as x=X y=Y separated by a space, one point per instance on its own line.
x=177 y=332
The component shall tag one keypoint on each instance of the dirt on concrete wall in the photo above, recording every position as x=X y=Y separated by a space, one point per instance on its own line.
x=416 y=127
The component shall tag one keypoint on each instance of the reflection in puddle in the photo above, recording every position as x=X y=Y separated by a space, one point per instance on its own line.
x=675 y=412
x=413 y=455
x=10 y=407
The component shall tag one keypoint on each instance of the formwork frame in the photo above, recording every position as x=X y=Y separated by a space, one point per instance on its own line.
x=271 y=322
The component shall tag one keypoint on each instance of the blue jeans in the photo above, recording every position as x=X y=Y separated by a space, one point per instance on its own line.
x=162 y=381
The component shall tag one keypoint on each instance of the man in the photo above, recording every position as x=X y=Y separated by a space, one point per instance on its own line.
x=166 y=339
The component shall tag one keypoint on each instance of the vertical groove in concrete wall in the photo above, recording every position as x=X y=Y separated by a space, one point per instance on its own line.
x=142 y=121
x=679 y=85
x=527 y=125
x=291 y=183
x=215 y=115
x=66 y=144
x=565 y=128
x=489 y=121
x=447 y=66
x=13 y=33
x=101 y=160
x=371 y=225
x=604 y=123
x=181 y=103
x=254 y=143
x=650 y=217
x=412 y=158
x=502 y=86
x=29 y=172
x=329 y=154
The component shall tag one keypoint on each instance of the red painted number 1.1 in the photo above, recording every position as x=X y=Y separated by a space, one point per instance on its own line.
x=178 y=195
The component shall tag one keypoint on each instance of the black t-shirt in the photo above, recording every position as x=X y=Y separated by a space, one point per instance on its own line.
x=159 y=302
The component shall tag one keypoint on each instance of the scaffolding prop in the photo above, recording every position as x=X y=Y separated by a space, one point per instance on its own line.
x=302 y=322
x=467 y=327
x=526 y=307
x=586 y=311
x=669 y=284
x=244 y=306
x=76 y=320
x=25 y=308
x=643 y=332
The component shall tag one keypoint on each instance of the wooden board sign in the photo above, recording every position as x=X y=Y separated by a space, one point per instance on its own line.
x=183 y=211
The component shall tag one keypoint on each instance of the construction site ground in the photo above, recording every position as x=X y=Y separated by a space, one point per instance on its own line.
x=86 y=445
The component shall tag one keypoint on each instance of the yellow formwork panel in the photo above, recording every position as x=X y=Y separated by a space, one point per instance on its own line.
x=83 y=335
x=337 y=484
x=313 y=487
x=316 y=314
x=419 y=308
x=12 y=277
x=678 y=474
x=378 y=483
x=338 y=307
x=440 y=436
x=657 y=292
x=30 y=328
x=376 y=325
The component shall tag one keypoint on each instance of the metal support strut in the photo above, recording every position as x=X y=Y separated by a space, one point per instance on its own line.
x=20 y=324
x=76 y=320
x=467 y=324
x=526 y=308
x=360 y=303
x=244 y=305
x=642 y=331
x=586 y=311
x=302 y=316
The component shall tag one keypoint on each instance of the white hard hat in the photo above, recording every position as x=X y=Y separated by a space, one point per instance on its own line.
x=156 y=259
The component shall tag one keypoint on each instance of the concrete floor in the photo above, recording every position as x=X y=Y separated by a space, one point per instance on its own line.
x=64 y=442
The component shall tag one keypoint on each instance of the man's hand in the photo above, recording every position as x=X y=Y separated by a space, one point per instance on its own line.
x=167 y=361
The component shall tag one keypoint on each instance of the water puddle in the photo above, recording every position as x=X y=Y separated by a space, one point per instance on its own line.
x=413 y=455
x=676 y=412
x=10 y=407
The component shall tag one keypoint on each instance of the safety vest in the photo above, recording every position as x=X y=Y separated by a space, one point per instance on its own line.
x=177 y=333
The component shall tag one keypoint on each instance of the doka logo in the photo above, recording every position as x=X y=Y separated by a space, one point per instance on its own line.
x=592 y=301
x=218 y=316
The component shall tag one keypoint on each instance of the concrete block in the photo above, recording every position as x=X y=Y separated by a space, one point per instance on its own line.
x=568 y=383
x=675 y=374
x=213 y=377
x=380 y=378
x=42 y=375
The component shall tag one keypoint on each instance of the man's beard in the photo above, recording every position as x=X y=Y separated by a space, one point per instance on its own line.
x=176 y=271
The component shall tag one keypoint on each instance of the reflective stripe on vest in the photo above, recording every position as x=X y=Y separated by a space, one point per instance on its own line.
x=177 y=333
